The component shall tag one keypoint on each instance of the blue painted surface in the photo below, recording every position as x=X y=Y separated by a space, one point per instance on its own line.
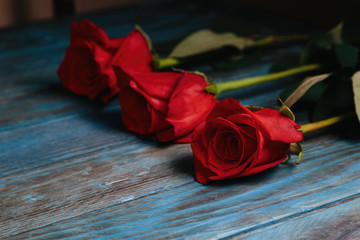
x=70 y=169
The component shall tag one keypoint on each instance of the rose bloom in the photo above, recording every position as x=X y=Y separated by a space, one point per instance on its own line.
x=87 y=66
x=236 y=142
x=165 y=106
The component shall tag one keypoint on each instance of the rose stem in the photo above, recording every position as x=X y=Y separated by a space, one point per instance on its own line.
x=310 y=127
x=275 y=39
x=161 y=63
x=217 y=88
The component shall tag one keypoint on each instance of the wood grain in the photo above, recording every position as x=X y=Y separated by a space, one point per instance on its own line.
x=157 y=192
x=70 y=169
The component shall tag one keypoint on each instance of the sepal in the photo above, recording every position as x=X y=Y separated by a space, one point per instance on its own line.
x=253 y=108
x=285 y=110
x=295 y=149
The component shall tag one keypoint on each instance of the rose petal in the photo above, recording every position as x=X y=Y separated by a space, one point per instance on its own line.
x=134 y=53
x=115 y=44
x=145 y=120
x=227 y=107
x=189 y=104
x=200 y=156
x=96 y=79
x=262 y=140
x=156 y=87
x=222 y=159
x=278 y=126
x=87 y=30
x=272 y=151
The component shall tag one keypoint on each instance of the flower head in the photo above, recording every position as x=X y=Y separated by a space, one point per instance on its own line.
x=236 y=142
x=87 y=68
x=166 y=106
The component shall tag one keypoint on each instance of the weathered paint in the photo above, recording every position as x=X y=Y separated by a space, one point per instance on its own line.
x=70 y=169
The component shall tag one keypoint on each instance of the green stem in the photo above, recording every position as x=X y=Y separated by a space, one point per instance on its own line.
x=162 y=63
x=217 y=88
x=310 y=127
x=274 y=39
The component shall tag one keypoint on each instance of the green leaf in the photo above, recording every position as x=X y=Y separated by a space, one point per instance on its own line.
x=346 y=54
x=304 y=87
x=318 y=49
x=356 y=90
x=330 y=48
x=337 y=99
x=321 y=46
x=315 y=92
x=239 y=61
x=335 y=34
x=206 y=40
x=322 y=41
x=309 y=99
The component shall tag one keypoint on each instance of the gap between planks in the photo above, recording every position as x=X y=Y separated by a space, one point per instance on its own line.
x=293 y=216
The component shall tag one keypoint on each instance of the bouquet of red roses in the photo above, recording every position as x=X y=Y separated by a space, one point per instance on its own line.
x=228 y=140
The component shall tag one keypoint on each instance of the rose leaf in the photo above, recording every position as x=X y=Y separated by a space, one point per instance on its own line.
x=336 y=33
x=356 y=89
x=206 y=40
x=346 y=54
x=304 y=87
x=338 y=98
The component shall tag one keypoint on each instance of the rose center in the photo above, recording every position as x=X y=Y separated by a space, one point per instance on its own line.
x=230 y=146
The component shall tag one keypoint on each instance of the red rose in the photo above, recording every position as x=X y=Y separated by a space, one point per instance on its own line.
x=236 y=142
x=165 y=106
x=88 y=31
x=135 y=52
x=87 y=68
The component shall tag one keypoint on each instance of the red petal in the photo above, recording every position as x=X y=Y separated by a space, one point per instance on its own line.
x=278 y=126
x=134 y=53
x=96 y=78
x=156 y=87
x=227 y=107
x=189 y=104
x=200 y=156
x=87 y=30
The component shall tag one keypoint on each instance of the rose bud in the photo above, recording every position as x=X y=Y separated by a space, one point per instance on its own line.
x=87 y=66
x=236 y=142
x=165 y=106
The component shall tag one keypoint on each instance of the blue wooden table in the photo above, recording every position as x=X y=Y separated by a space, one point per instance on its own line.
x=70 y=169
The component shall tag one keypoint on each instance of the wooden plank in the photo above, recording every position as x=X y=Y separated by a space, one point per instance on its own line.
x=174 y=23
x=116 y=174
x=48 y=142
x=340 y=221
x=70 y=169
x=151 y=189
